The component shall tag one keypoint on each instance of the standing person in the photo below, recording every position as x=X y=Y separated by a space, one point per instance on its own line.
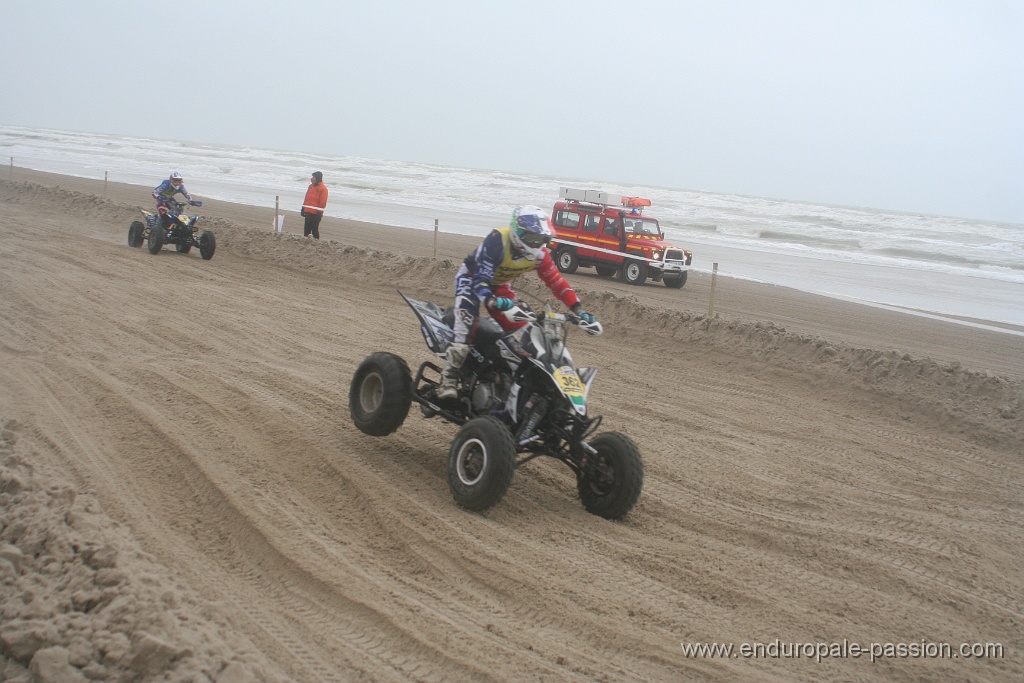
x=164 y=194
x=313 y=205
x=485 y=277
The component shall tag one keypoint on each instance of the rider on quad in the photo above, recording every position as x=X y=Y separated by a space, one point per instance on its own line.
x=485 y=276
x=164 y=195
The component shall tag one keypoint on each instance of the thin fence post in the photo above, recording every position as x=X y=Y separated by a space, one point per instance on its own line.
x=105 y=181
x=435 y=239
x=277 y=210
x=11 y=175
x=714 y=281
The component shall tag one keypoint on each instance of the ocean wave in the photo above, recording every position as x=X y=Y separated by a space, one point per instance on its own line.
x=810 y=240
x=940 y=257
x=371 y=189
x=700 y=227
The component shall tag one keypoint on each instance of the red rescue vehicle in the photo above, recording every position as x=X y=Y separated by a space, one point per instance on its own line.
x=612 y=234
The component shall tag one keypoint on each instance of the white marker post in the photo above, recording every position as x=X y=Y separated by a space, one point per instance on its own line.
x=435 y=239
x=277 y=210
x=714 y=280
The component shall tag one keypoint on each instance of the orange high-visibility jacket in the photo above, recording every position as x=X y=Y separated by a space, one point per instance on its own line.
x=316 y=198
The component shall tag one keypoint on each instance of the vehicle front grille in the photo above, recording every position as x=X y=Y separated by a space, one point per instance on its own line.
x=675 y=255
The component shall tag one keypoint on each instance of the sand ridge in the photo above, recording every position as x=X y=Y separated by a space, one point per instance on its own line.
x=801 y=486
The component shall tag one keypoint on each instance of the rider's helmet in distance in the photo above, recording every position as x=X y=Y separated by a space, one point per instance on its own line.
x=530 y=231
x=176 y=179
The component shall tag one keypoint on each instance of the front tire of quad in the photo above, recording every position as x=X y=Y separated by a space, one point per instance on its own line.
x=567 y=260
x=676 y=282
x=207 y=245
x=135 y=232
x=156 y=239
x=481 y=462
x=380 y=394
x=612 y=479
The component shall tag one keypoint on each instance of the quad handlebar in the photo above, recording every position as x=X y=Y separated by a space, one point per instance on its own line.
x=522 y=313
x=180 y=206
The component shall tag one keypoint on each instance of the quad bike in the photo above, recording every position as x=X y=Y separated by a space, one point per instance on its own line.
x=519 y=392
x=183 y=233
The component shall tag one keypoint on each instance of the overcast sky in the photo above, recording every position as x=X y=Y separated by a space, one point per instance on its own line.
x=914 y=106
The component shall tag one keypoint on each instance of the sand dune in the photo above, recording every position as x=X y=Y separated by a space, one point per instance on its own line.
x=183 y=496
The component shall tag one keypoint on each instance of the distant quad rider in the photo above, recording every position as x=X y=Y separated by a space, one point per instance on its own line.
x=486 y=274
x=164 y=195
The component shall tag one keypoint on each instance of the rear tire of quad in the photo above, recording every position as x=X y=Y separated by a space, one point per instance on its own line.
x=135 y=232
x=606 y=271
x=380 y=394
x=676 y=283
x=610 y=484
x=567 y=260
x=634 y=272
x=183 y=248
x=207 y=245
x=156 y=239
x=481 y=463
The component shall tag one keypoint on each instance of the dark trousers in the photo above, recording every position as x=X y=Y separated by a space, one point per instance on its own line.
x=312 y=225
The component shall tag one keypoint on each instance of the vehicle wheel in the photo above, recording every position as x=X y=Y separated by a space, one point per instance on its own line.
x=611 y=482
x=567 y=260
x=156 y=240
x=183 y=248
x=207 y=244
x=606 y=271
x=135 y=231
x=676 y=282
x=634 y=272
x=380 y=394
x=481 y=463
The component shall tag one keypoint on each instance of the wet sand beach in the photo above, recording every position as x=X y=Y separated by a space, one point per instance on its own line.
x=183 y=496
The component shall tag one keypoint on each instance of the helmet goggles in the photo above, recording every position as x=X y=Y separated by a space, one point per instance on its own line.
x=532 y=231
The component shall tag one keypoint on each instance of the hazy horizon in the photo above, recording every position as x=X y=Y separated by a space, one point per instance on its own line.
x=907 y=106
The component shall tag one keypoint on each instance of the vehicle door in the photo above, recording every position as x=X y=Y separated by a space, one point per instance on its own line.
x=590 y=235
x=567 y=224
x=612 y=238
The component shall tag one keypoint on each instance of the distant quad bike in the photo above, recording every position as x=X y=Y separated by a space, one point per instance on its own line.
x=519 y=392
x=183 y=233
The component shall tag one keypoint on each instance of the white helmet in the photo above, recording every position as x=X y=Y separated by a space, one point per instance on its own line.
x=176 y=178
x=530 y=231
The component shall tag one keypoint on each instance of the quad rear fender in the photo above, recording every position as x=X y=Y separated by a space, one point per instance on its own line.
x=435 y=332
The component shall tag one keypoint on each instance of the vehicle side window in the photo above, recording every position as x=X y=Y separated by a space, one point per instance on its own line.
x=611 y=226
x=567 y=219
x=590 y=222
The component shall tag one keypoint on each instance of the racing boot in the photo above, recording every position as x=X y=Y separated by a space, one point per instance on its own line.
x=450 y=375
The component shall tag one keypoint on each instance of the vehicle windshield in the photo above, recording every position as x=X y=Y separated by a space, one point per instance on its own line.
x=642 y=226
